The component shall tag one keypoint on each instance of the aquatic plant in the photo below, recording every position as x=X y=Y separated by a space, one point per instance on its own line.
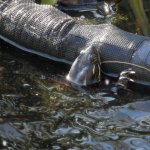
x=51 y=2
x=141 y=18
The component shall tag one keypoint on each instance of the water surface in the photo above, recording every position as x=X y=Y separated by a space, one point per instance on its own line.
x=39 y=110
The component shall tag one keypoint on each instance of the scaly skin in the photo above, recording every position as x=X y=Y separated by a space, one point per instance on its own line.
x=46 y=31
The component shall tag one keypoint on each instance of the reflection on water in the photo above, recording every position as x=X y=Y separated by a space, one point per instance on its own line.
x=40 y=110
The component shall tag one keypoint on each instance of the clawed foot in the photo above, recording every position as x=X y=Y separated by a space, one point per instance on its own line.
x=121 y=87
x=124 y=78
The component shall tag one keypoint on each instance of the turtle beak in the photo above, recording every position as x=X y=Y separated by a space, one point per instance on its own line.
x=85 y=70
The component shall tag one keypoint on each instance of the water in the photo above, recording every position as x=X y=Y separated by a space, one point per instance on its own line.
x=39 y=110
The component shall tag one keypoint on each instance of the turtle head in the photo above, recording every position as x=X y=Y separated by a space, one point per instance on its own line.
x=86 y=70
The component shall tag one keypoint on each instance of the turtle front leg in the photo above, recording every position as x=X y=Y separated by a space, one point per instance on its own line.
x=86 y=69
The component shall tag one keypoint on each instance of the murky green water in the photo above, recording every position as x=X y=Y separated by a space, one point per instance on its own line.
x=39 y=110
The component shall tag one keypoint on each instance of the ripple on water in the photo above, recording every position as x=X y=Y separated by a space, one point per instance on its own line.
x=67 y=130
x=7 y=131
x=140 y=114
x=137 y=143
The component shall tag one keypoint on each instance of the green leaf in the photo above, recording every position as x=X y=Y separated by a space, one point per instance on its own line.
x=51 y=2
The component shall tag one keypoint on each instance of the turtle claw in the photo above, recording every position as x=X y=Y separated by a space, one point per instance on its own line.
x=124 y=77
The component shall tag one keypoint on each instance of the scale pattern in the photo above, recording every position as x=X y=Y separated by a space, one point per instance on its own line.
x=45 y=29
